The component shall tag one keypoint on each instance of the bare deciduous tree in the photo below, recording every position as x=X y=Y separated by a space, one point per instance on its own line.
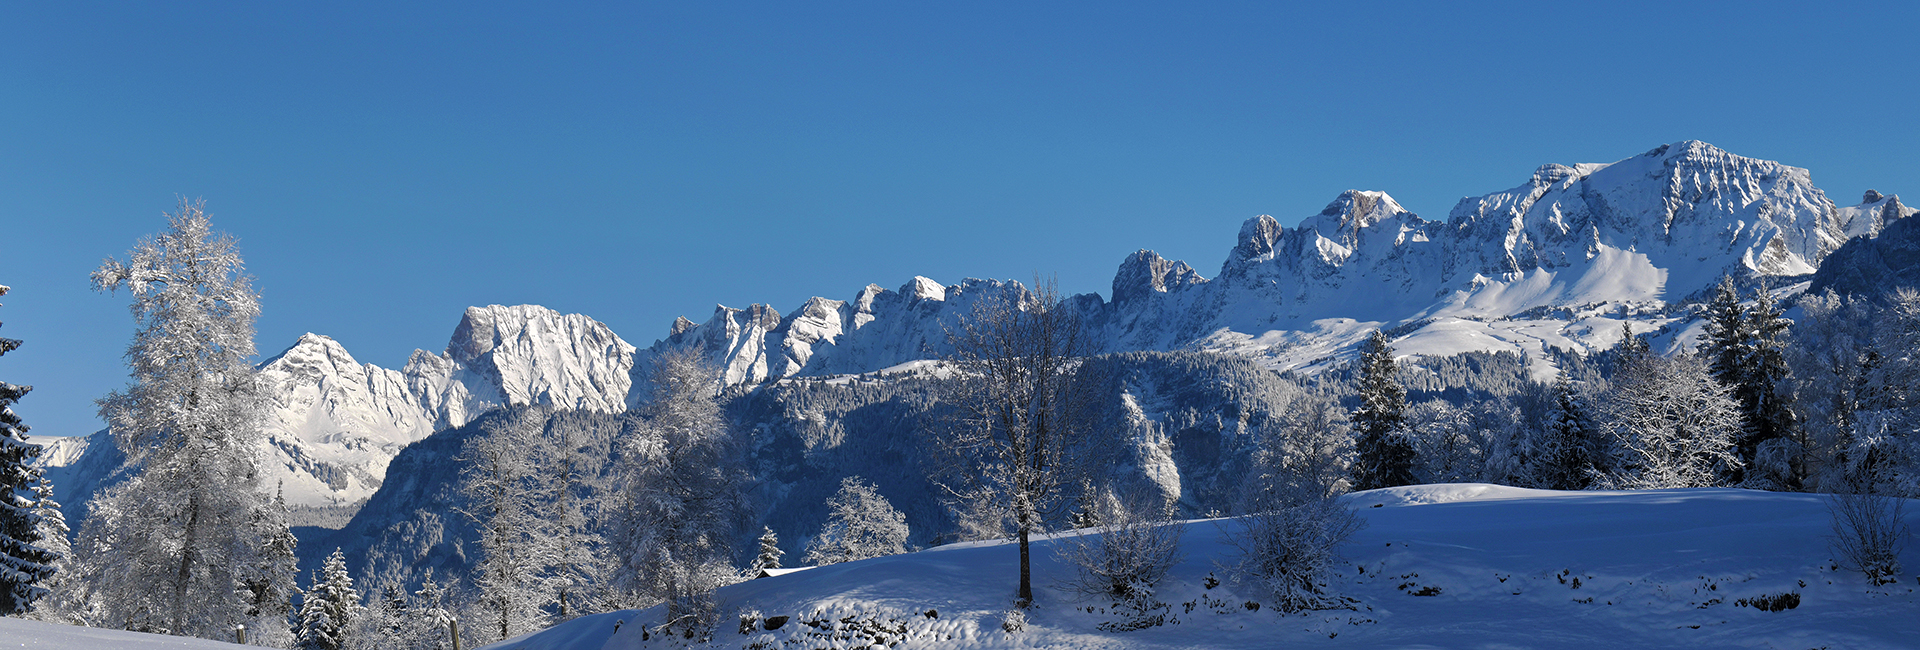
x=1019 y=408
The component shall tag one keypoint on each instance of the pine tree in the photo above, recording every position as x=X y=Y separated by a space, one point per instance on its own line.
x=1385 y=456
x=26 y=563
x=860 y=524
x=1631 y=345
x=1727 y=337
x=329 y=608
x=425 y=625
x=270 y=587
x=770 y=553
x=165 y=550
x=1747 y=350
x=1778 y=453
x=1572 y=441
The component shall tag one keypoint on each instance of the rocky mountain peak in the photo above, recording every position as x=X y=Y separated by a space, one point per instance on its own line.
x=1257 y=237
x=1146 y=272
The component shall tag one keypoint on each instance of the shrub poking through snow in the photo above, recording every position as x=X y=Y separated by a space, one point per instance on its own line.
x=1869 y=531
x=1288 y=554
x=1123 y=561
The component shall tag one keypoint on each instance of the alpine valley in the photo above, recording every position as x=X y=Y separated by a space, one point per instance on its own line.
x=1550 y=270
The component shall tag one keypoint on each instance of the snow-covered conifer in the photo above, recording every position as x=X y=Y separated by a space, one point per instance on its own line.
x=329 y=608
x=425 y=622
x=682 y=497
x=1746 y=350
x=26 y=562
x=1631 y=345
x=860 y=524
x=770 y=553
x=164 y=551
x=271 y=587
x=1384 y=457
x=1572 y=441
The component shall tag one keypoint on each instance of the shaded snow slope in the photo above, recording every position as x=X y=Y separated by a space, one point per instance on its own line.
x=1501 y=567
x=35 y=635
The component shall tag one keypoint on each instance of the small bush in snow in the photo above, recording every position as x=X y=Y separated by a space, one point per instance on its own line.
x=1014 y=621
x=1289 y=553
x=1869 y=530
x=1124 y=558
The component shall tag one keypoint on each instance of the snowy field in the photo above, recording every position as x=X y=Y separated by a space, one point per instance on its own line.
x=17 y=633
x=1440 y=566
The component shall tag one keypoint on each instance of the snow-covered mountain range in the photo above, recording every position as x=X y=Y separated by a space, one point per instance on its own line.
x=1560 y=261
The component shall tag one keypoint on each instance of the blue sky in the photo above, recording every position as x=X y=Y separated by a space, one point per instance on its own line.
x=384 y=165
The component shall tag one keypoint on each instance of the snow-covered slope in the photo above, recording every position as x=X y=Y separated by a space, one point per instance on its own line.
x=35 y=635
x=1450 y=566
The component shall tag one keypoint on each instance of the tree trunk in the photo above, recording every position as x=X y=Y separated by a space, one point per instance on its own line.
x=188 y=554
x=1025 y=598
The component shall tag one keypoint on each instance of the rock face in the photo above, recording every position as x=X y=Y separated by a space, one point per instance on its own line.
x=1874 y=266
x=1561 y=261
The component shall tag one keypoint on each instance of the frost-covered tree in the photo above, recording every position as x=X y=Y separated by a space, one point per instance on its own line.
x=860 y=524
x=1020 y=410
x=329 y=607
x=575 y=571
x=171 y=549
x=770 y=553
x=1449 y=446
x=1673 y=424
x=1305 y=455
x=500 y=477
x=1572 y=443
x=1883 y=454
x=1123 y=560
x=424 y=625
x=1746 y=348
x=683 y=496
x=1384 y=456
x=270 y=586
x=1832 y=356
x=27 y=558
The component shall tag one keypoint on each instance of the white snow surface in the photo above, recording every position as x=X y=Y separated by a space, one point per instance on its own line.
x=35 y=635
x=1506 y=567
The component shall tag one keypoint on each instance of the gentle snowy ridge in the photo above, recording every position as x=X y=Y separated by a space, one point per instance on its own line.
x=1529 y=568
